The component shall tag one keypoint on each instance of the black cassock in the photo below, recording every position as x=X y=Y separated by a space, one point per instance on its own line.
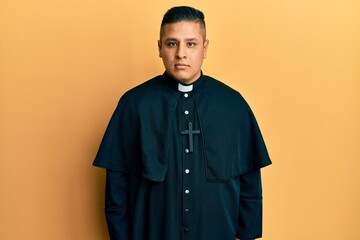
x=183 y=165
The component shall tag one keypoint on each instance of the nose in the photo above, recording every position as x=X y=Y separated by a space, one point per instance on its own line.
x=180 y=53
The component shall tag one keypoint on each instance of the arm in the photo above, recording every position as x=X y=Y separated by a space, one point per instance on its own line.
x=250 y=209
x=116 y=205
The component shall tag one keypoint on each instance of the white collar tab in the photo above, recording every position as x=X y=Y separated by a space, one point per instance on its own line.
x=185 y=88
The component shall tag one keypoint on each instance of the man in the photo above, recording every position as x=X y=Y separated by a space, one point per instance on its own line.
x=183 y=151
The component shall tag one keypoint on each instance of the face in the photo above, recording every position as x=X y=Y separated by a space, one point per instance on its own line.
x=182 y=47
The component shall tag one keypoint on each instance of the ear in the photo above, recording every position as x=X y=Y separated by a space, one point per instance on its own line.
x=159 y=48
x=206 y=46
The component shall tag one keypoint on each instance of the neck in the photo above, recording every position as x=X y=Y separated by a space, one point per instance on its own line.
x=174 y=84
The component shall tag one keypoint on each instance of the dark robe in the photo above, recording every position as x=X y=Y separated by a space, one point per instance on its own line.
x=158 y=188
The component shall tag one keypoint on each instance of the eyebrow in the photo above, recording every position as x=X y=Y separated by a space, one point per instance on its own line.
x=175 y=39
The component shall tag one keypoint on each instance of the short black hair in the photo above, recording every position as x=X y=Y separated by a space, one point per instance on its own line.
x=183 y=13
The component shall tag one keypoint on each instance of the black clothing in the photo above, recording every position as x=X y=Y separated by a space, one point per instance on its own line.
x=163 y=184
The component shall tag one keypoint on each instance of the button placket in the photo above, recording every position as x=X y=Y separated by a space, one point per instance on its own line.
x=187 y=192
x=188 y=158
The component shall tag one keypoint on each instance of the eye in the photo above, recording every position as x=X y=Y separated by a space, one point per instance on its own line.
x=172 y=44
x=191 y=44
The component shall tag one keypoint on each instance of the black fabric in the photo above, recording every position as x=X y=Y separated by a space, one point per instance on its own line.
x=116 y=205
x=137 y=138
x=250 y=210
x=145 y=157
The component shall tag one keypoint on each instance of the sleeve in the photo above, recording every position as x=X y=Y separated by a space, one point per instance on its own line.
x=116 y=205
x=250 y=210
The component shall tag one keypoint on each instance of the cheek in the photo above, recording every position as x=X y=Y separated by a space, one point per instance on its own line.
x=199 y=58
x=164 y=54
x=166 y=61
x=167 y=58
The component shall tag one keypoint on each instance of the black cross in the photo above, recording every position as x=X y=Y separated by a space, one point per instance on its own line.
x=191 y=133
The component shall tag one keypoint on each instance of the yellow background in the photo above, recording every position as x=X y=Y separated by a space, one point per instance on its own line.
x=64 y=65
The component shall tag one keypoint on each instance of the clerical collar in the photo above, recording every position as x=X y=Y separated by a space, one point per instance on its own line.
x=180 y=87
x=185 y=88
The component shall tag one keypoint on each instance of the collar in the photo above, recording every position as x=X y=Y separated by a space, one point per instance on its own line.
x=185 y=88
x=180 y=87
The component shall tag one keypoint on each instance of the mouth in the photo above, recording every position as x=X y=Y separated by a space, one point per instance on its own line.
x=181 y=66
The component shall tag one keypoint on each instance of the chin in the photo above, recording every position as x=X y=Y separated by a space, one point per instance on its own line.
x=183 y=80
x=181 y=77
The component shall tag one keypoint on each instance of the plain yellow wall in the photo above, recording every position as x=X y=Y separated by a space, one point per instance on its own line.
x=64 y=65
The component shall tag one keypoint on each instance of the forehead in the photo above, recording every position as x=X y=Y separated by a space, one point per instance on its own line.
x=182 y=29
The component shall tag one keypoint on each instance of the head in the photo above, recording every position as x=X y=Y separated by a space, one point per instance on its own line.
x=183 y=44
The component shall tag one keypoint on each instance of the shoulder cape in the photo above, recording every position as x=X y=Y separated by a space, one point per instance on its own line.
x=138 y=136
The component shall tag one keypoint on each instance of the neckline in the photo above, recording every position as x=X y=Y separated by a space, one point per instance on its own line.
x=178 y=87
x=185 y=88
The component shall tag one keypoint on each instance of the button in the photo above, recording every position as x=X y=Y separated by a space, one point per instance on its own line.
x=187 y=150
x=186 y=112
x=187 y=191
x=186 y=229
x=186 y=210
x=187 y=171
x=186 y=95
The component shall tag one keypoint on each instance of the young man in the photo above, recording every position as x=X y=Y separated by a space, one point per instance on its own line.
x=183 y=151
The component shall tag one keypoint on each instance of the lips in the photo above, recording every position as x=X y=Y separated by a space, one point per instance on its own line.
x=181 y=66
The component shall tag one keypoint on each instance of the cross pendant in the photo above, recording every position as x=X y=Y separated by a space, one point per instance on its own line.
x=191 y=133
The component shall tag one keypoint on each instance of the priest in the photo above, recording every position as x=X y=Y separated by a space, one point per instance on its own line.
x=183 y=151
